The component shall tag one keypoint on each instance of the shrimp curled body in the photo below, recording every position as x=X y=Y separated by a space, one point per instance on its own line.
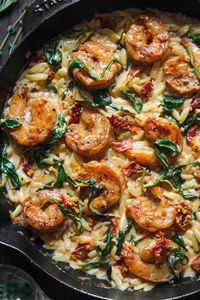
x=151 y=261
x=147 y=39
x=152 y=214
x=96 y=57
x=41 y=213
x=159 y=128
x=91 y=135
x=109 y=182
x=180 y=74
x=42 y=114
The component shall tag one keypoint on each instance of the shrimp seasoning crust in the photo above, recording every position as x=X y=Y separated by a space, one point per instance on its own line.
x=101 y=153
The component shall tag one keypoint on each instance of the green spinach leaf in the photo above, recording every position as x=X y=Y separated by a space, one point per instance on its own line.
x=164 y=148
x=11 y=123
x=194 y=38
x=171 y=102
x=8 y=168
x=134 y=100
x=176 y=256
x=178 y=239
x=121 y=236
x=51 y=54
x=191 y=121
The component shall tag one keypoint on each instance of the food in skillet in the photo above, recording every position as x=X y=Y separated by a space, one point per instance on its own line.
x=101 y=152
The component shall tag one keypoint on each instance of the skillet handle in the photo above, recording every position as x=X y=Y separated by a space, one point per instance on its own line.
x=41 y=10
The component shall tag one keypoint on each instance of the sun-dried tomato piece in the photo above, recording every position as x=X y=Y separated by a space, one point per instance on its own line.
x=75 y=112
x=133 y=168
x=183 y=216
x=115 y=221
x=192 y=132
x=160 y=249
x=106 y=22
x=123 y=123
x=121 y=146
x=197 y=174
x=81 y=251
x=27 y=167
x=195 y=104
x=196 y=264
x=146 y=91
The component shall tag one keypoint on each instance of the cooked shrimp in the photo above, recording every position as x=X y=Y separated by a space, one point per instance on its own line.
x=147 y=39
x=96 y=57
x=145 y=264
x=143 y=156
x=38 y=118
x=159 y=128
x=91 y=135
x=41 y=213
x=109 y=182
x=152 y=214
x=180 y=74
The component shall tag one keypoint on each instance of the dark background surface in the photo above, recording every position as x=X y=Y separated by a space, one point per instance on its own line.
x=52 y=288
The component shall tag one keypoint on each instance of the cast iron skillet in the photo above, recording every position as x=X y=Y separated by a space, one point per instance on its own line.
x=45 y=19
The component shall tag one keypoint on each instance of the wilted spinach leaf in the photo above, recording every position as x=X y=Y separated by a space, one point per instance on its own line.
x=134 y=100
x=164 y=148
x=176 y=256
x=11 y=123
x=171 y=102
x=51 y=54
x=9 y=169
x=121 y=236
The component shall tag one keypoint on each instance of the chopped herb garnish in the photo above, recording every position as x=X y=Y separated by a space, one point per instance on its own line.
x=51 y=54
x=5 y=4
x=11 y=29
x=134 y=100
x=11 y=123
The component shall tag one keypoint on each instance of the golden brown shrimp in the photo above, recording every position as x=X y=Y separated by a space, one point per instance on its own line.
x=41 y=213
x=159 y=128
x=180 y=74
x=147 y=39
x=91 y=135
x=151 y=261
x=96 y=57
x=109 y=182
x=43 y=116
x=152 y=214
x=145 y=157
